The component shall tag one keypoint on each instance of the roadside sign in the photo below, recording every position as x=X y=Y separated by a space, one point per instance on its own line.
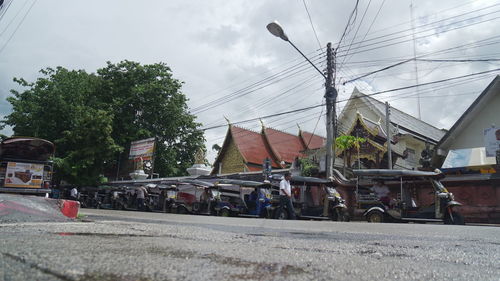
x=24 y=175
x=142 y=148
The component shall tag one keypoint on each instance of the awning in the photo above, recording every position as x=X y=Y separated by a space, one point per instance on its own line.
x=467 y=157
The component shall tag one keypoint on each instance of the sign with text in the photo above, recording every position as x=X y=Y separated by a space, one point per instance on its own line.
x=142 y=148
x=24 y=175
x=491 y=141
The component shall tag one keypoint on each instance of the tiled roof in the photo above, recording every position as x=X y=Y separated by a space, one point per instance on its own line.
x=285 y=146
x=254 y=169
x=312 y=141
x=251 y=145
x=405 y=121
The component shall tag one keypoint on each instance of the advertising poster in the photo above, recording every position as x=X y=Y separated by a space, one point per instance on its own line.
x=142 y=148
x=24 y=175
x=491 y=141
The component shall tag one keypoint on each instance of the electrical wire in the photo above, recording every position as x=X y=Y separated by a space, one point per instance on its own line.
x=312 y=25
x=17 y=27
x=373 y=94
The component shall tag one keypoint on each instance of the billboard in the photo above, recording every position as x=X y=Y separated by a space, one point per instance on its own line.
x=24 y=175
x=142 y=148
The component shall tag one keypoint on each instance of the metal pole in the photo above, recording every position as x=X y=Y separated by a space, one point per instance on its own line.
x=389 y=137
x=415 y=59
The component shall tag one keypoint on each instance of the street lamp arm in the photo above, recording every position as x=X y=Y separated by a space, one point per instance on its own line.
x=322 y=74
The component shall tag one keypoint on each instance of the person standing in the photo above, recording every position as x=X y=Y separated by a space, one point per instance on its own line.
x=74 y=194
x=382 y=192
x=141 y=193
x=286 y=195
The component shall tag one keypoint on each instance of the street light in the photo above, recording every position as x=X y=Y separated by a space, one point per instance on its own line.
x=276 y=30
x=330 y=93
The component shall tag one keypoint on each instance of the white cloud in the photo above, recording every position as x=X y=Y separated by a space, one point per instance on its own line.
x=219 y=47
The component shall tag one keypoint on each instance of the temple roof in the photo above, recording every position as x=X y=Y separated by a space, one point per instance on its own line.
x=311 y=141
x=286 y=147
x=404 y=121
x=252 y=146
x=269 y=143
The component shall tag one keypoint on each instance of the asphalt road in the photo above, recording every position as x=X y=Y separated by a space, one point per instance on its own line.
x=120 y=245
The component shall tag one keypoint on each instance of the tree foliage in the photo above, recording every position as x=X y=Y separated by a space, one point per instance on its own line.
x=346 y=142
x=92 y=118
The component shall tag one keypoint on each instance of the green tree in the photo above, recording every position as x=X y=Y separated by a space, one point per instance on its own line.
x=147 y=102
x=346 y=142
x=92 y=118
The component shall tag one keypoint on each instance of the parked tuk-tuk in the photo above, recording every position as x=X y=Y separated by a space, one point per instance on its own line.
x=25 y=165
x=196 y=197
x=403 y=207
x=244 y=198
x=314 y=198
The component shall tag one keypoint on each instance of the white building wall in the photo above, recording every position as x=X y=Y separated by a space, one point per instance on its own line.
x=472 y=135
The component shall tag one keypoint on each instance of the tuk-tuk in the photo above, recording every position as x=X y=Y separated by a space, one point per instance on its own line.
x=403 y=207
x=167 y=197
x=244 y=198
x=196 y=197
x=25 y=165
x=314 y=198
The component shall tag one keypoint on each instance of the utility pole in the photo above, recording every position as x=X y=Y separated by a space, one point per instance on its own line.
x=331 y=97
x=389 y=137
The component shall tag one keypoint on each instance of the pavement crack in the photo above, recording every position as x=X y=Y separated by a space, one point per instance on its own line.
x=38 y=267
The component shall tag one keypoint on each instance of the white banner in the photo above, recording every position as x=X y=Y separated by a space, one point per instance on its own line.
x=491 y=141
x=142 y=148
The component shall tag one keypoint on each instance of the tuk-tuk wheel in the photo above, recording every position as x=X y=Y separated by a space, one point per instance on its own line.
x=181 y=210
x=458 y=219
x=224 y=213
x=281 y=215
x=375 y=216
x=339 y=215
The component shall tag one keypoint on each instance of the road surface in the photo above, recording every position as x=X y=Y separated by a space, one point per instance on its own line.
x=121 y=245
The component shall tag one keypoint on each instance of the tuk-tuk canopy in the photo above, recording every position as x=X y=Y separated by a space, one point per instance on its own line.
x=197 y=183
x=385 y=173
x=310 y=180
x=26 y=148
x=244 y=183
x=305 y=180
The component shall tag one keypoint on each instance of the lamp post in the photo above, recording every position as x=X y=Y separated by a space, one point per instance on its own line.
x=330 y=93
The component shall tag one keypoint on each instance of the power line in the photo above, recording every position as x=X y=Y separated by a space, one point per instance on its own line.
x=287 y=73
x=349 y=23
x=13 y=18
x=411 y=59
x=431 y=24
x=17 y=27
x=312 y=25
x=373 y=94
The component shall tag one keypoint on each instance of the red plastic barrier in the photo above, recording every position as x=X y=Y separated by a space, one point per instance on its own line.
x=70 y=208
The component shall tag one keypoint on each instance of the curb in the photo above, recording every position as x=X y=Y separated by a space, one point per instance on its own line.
x=70 y=208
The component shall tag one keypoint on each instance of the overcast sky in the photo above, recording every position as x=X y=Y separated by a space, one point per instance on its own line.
x=222 y=48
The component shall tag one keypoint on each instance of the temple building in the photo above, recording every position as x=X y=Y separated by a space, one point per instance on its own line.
x=244 y=150
x=364 y=116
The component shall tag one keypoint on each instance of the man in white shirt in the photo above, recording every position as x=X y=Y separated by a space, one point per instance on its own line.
x=382 y=192
x=141 y=192
x=286 y=196
x=74 y=193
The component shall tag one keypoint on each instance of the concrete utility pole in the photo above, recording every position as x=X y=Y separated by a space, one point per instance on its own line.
x=389 y=137
x=331 y=97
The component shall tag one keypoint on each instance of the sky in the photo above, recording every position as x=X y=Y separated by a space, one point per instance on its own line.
x=233 y=68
